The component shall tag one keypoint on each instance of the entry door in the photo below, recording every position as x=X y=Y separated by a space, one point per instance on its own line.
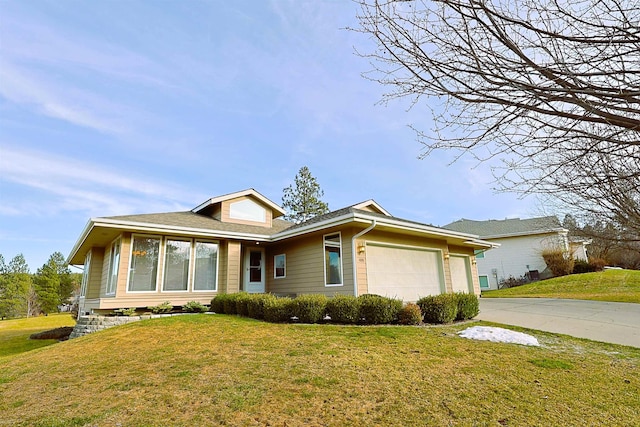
x=254 y=270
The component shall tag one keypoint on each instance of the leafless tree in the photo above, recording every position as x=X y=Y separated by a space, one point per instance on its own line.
x=551 y=88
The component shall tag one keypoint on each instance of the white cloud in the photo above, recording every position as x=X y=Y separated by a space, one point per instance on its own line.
x=73 y=185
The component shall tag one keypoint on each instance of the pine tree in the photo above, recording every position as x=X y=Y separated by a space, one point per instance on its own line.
x=302 y=202
x=47 y=286
x=15 y=282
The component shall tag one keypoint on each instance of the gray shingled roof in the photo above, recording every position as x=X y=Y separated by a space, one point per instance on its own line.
x=350 y=209
x=494 y=227
x=194 y=220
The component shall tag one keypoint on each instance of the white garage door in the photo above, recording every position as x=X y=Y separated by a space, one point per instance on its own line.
x=403 y=273
x=460 y=274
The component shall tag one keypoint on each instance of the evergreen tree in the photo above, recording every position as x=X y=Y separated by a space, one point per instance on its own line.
x=47 y=286
x=67 y=282
x=302 y=201
x=15 y=283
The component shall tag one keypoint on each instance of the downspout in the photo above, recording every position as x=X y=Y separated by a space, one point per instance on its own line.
x=353 y=255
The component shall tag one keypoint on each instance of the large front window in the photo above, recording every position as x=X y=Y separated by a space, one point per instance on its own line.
x=144 y=264
x=114 y=265
x=176 y=265
x=332 y=260
x=206 y=268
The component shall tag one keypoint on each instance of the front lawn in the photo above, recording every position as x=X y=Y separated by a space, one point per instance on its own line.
x=227 y=370
x=608 y=285
x=14 y=333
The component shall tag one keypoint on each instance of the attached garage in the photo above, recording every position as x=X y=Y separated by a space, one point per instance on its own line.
x=407 y=273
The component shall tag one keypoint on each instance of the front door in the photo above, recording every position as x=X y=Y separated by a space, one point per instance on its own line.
x=254 y=270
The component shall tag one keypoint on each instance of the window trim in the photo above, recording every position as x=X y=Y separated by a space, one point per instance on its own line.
x=85 y=274
x=192 y=270
x=324 y=261
x=480 y=283
x=117 y=243
x=165 y=241
x=160 y=255
x=275 y=268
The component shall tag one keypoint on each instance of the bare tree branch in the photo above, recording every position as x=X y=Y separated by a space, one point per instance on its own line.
x=549 y=87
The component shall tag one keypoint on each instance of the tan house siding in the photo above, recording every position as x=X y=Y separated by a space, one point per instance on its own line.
x=95 y=273
x=361 y=268
x=233 y=264
x=305 y=266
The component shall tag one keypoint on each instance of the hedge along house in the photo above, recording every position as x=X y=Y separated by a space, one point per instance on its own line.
x=237 y=242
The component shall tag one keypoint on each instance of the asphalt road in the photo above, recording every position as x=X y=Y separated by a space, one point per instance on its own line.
x=611 y=322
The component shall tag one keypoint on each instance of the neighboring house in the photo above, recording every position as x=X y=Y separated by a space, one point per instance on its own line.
x=521 y=244
x=237 y=242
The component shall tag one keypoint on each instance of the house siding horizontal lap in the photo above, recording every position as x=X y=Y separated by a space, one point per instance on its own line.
x=95 y=273
x=513 y=256
x=305 y=266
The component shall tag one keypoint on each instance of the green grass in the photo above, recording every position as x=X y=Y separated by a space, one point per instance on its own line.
x=608 y=285
x=226 y=370
x=14 y=333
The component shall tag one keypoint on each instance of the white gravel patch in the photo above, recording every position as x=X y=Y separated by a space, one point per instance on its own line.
x=490 y=333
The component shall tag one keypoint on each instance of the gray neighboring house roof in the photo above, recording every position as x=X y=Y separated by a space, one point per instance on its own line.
x=495 y=228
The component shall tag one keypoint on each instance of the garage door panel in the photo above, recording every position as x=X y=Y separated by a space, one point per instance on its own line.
x=460 y=274
x=404 y=273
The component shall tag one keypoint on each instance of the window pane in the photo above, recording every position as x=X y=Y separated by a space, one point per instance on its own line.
x=176 y=265
x=333 y=265
x=206 y=266
x=478 y=253
x=247 y=210
x=85 y=274
x=332 y=239
x=114 y=265
x=279 y=262
x=144 y=264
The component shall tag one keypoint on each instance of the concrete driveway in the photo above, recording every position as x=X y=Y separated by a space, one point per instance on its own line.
x=612 y=322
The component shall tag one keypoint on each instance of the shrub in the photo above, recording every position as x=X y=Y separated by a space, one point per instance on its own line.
x=278 y=310
x=165 y=307
x=229 y=304
x=242 y=303
x=376 y=309
x=217 y=303
x=558 y=261
x=310 y=308
x=410 y=314
x=194 y=307
x=125 y=311
x=256 y=303
x=441 y=308
x=512 y=282
x=468 y=306
x=344 y=309
x=582 y=266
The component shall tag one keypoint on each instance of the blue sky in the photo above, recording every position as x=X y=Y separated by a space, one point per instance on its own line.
x=122 y=107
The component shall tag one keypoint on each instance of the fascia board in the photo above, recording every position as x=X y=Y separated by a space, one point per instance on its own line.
x=83 y=236
x=332 y=222
x=470 y=239
x=247 y=192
